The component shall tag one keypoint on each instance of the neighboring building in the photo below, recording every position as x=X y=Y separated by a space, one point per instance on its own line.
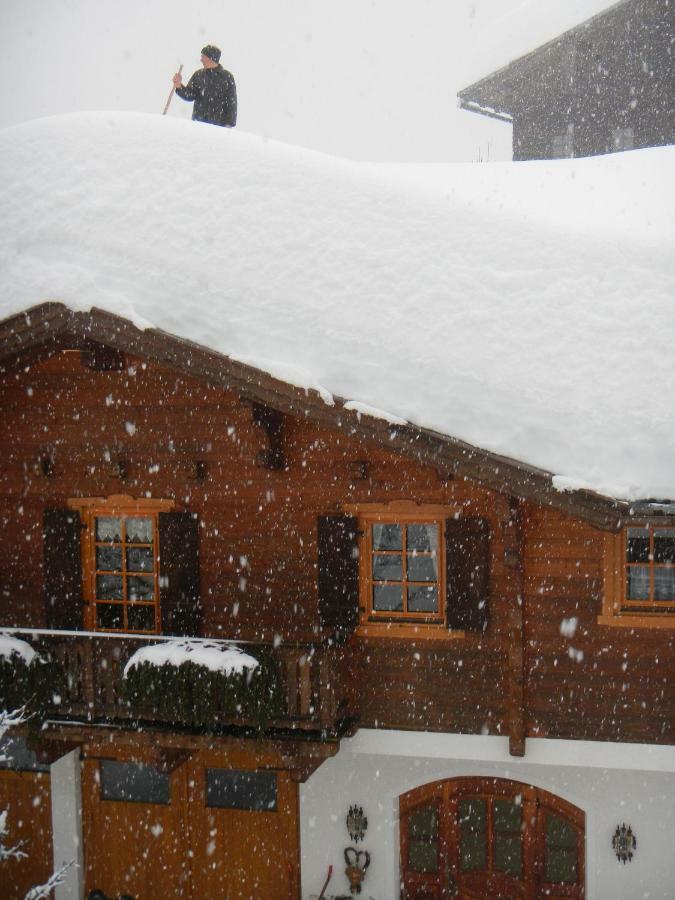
x=475 y=650
x=604 y=86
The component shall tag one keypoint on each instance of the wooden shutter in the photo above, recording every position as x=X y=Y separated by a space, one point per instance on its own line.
x=179 y=594
x=62 y=567
x=467 y=561
x=338 y=571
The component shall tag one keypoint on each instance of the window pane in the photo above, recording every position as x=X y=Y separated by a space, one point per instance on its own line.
x=108 y=529
x=561 y=851
x=388 y=597
x=141 y=618
x=387 y=568
x=423 y=823
x=637 y=547
x=387 y=537
x=664 y=584
x=423 y=839
x=508 y=850
x=231 y=789
x=508 y=856
x=139 y=530
x=133 y=782
x=422 y=568
x=423 y=599
x=109 y=587
x=109 y=615
x=422 y=537
x=140 y=587
x=664 y=546
x=472 y=835
x=637 y=585
x=507 y=816
x=422 y=857
x=140 y=559
x=109 y=559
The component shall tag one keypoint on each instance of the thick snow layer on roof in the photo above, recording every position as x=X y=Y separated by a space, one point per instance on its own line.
x=216 y=656
x=527 y=308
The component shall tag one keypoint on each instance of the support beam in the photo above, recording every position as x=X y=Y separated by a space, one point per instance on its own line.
x=512 y=534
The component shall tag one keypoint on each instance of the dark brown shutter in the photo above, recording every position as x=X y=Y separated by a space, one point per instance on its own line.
x=62 y=567
x=467 y=564
x=338 y=572
x=179 y=594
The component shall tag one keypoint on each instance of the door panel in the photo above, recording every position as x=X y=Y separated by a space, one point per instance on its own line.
x=243 y=853
x=135 y=848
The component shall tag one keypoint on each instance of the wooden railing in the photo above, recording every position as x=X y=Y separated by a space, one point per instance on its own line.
x=93 y=663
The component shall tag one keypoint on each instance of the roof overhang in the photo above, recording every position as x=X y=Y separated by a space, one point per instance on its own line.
x=499 y=94
x=42 y=331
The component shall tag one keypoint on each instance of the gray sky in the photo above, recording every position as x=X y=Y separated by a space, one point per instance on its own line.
x=365 y=79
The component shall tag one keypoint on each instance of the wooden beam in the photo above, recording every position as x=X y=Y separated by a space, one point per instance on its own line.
x=512 y=535
x=272 y=423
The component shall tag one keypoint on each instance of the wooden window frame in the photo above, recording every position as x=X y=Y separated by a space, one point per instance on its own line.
x=386 y=624
x=122 y=506
x=617 y=610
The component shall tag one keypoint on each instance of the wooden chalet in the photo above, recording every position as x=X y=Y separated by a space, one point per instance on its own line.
x=483 y=663
x=603 y=86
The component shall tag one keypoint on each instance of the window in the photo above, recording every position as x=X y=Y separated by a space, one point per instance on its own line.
x=562 y=145
x=403 y=570
x=133 y=782
x=232 y=789
x=640 y=576
x=120 y=563
x=622 y=139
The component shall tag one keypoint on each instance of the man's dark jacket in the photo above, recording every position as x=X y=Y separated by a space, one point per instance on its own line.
x=214 y=94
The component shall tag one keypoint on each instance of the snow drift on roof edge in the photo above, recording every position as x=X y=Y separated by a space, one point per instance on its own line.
x=525 y=308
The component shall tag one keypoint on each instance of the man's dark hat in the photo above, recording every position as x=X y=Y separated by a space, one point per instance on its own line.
x=212 y=52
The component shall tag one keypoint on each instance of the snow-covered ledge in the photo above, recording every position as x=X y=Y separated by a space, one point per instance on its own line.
x=217 y=656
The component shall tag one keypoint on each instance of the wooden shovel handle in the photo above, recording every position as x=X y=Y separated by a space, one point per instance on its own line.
x=173 y=88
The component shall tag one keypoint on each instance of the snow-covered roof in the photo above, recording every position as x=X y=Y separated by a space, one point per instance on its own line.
x=526 y=308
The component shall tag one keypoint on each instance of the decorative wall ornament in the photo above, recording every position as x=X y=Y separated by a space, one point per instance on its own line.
x=624 y=842
x=357 y=823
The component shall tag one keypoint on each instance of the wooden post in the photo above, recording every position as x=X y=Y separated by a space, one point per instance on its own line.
x=513 y=559
x=171 y=92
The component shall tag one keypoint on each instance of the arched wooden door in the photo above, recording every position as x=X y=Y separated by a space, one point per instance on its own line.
x=490 y=839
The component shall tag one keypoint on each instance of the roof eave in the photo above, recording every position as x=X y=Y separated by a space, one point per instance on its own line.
x=44 y=330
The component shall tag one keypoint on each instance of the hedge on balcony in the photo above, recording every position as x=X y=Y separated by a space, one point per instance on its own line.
x=28 y=681
x=192 y=694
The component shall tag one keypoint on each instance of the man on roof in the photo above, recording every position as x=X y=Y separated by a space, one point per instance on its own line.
x=212 y=89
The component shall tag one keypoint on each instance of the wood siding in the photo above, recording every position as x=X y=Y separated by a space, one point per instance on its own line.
x=258 y=552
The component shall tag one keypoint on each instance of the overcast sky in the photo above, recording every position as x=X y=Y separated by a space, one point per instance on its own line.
x=365 y=79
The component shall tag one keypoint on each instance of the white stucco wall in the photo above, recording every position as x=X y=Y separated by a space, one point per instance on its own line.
x=66 y=782
x=612 y=783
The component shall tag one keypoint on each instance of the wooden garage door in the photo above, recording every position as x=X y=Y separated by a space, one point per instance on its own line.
x=220 y=825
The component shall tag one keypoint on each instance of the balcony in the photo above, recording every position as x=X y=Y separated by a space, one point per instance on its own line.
x=313 y=697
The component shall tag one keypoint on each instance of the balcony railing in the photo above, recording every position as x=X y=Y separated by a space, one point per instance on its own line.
x=313 y=698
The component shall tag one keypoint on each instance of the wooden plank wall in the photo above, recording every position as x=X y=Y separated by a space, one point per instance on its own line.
x=583 y=679
x=258 y=550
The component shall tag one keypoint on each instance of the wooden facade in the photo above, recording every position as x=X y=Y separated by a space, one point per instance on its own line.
x=603 y=86
x=123 y=417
